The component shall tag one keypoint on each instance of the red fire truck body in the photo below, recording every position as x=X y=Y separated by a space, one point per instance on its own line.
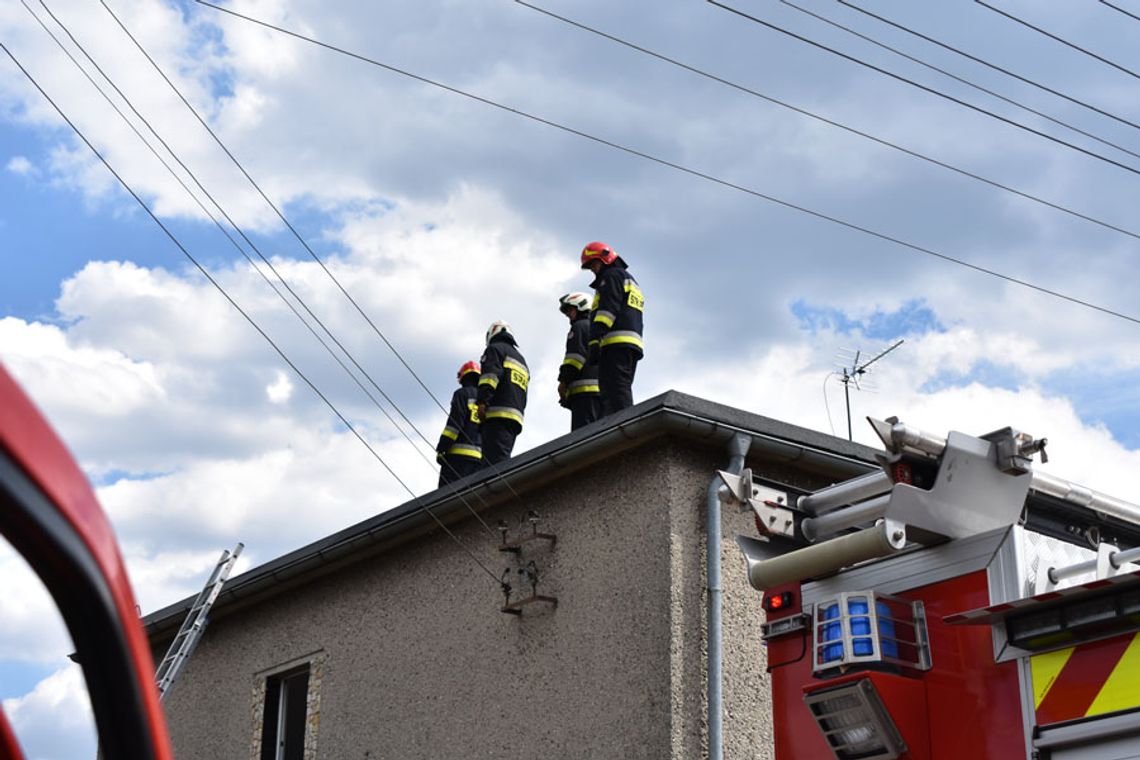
x=975 y=695
x=49 y=514
x=956 y=604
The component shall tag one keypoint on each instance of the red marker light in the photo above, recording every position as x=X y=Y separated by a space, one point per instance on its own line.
x=777 y=602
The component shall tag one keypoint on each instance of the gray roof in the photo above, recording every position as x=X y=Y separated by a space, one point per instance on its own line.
x=669 y=413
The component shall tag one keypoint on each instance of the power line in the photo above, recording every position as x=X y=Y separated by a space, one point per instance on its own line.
x=993 y=66
x=248 y=241
x=679 y=167
x=416 y=500
x=925 y=88
x=198 y=201
x=496 y=470
x=272 y=205
x=959 y=79
x=202 y=188
x=1118 y=8
x=825 y=120
x=1062 y=40
x=826 y=405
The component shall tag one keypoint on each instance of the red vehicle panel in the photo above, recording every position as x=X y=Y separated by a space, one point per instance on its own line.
x=49 y=513
x=972 y=706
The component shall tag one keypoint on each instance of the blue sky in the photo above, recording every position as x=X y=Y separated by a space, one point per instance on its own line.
x=440 y=214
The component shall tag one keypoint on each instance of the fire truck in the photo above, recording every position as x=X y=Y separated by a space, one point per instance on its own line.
x=955 y=603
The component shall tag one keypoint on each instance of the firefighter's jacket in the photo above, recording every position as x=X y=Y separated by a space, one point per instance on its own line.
x=460 y=436
x=580 y=376
x=502 y=386
x=615 y=318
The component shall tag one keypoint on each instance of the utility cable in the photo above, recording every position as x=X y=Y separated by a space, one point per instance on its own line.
x=496 y=469
x=206 y=211
x=830 y=122
x=826 y=404
x=226 y=233
x=1118 y=8
x=1062 y=40
x=684 y=169
x=925 y=88
x=988 y=64
x=251 y=244
x=202 y=189
x=416 y=500
x=959 y=79
x=272 y=205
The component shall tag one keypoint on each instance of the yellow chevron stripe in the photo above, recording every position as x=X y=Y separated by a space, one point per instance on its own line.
x=1122 y=689
x=1045 y=668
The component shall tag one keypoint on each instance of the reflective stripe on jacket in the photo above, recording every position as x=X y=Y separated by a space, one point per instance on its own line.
x=579 y=376
x=465 y=450
x=616 y=316
x=583 y=387
x=462 y=427
x=503 y=384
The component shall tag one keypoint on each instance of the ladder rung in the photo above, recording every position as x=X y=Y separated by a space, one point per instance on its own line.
x=194 y=625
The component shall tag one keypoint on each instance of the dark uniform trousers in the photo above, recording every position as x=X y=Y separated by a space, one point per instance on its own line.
x=455 y=467
x=498 y=440
x=584 y=409
x=616 y=367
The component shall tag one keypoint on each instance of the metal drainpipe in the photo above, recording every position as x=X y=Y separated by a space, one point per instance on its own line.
x=737 y=448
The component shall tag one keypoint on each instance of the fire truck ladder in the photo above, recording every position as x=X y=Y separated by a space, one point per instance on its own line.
x=195 y=623
x=967 y=491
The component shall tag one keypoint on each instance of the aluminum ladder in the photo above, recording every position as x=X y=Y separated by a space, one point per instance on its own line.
x=195 y=623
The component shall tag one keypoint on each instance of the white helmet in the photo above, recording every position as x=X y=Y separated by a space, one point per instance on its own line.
x=579 y=301
x=497 y=327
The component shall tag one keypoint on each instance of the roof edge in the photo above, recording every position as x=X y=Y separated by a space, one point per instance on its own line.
x=669 y=413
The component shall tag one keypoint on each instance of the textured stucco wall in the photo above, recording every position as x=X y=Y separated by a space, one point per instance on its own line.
x=417 y=661
x=747 y=696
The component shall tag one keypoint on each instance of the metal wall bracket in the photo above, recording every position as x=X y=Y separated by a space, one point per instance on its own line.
x=525 y=537
x=527 y=576
x=770 y=507
x=516 y=607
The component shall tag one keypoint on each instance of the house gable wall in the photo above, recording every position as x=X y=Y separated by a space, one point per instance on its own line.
x=416 y=660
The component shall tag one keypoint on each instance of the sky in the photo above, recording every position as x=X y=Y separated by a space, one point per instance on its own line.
x=450 y=175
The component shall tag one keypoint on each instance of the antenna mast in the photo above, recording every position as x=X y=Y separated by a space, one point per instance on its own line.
x=853 y=375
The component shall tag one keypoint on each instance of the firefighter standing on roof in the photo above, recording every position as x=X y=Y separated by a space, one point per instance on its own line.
x=615 y=325
x=459 y=450
x=578 y=377
x=502 y=393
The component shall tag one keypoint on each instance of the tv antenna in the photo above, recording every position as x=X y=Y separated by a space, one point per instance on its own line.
x=853 y=375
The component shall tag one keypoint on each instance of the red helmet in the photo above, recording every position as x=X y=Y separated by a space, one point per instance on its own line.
x=471 y=366
x=598 y=252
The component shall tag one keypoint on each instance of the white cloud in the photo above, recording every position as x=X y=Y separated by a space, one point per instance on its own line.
x=33 y=630
x=22 y=166
x=54 y=721
x=438 y=271
x=280 y=389
x=443 y=214
x=787 y=382
x=205 y=437
x=80 y=378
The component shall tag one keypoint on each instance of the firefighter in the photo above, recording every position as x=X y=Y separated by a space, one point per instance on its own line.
x=577 y=378
x=615 y=325
x=502 y=393
x=459 y=450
